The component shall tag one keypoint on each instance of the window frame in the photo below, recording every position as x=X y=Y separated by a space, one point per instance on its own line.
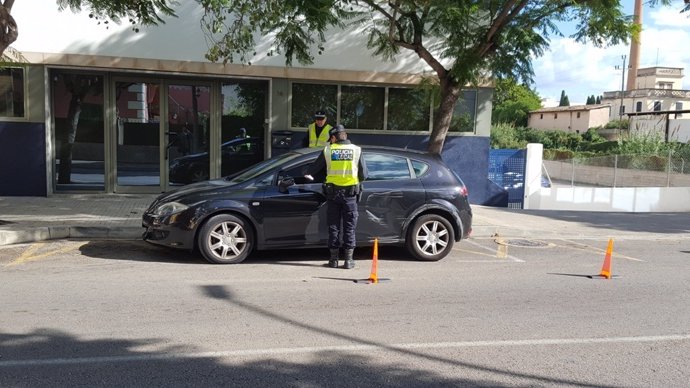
x=25 y=96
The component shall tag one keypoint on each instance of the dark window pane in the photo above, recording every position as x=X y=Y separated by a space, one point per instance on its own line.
x=362 y=107
x=384 y=167
x=79 y=130
x=308 y=98
x=244 y=107
x=408 y=109
x=11 y=92
x=465 y=112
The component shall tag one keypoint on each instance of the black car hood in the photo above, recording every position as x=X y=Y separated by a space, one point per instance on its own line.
x=194 y=189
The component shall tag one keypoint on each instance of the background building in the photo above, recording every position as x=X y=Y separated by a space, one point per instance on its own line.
x=98 y=109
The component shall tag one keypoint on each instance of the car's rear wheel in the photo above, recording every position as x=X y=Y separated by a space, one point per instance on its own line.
x=430 y=238
x=225 y=239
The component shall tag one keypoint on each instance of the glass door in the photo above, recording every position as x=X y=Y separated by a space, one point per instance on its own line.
x=188 y=134
x=138 y=138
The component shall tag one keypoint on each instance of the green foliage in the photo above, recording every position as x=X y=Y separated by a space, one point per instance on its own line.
x=617 y=124
x=512 y=103
x=137 y=12
x=565 y=101
x=506 y=136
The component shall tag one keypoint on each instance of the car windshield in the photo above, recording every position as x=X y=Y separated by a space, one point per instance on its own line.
x=261 y=168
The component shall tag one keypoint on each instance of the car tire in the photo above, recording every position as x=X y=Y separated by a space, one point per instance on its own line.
x=430 y=238
x=225 y=239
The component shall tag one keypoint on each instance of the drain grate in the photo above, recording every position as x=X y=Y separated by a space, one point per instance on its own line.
x=526 y=243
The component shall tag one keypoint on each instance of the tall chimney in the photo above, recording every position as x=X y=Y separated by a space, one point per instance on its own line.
x=635 y=45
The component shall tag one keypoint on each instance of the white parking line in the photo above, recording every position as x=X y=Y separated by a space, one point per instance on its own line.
x=503 y=254
x=343 y=348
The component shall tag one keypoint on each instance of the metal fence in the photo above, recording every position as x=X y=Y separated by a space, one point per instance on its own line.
x=507 y=170
x=621 y=171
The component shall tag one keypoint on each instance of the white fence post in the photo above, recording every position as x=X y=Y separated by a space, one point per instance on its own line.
x=533 y=162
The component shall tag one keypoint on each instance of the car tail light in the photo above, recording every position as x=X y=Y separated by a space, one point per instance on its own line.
x=463 y=191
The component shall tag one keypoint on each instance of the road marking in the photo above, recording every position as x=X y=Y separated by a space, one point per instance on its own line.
x=28 y=254
x=589 y=248
x=343 y=348
x=498 y=254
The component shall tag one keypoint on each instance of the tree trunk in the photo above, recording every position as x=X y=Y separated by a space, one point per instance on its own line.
x=8 y=28
x=450 y=91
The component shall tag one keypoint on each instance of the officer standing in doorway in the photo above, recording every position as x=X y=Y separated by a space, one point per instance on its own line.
x=345 y=170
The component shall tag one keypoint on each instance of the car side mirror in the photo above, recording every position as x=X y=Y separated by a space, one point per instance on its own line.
x=284 y=183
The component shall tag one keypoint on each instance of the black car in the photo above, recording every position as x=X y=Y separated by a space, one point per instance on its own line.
x=411 y=198
x=236 y=155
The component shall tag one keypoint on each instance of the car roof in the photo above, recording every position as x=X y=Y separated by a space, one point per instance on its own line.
x=402 y=151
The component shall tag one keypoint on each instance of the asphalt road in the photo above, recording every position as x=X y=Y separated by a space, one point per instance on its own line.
x=514 y=313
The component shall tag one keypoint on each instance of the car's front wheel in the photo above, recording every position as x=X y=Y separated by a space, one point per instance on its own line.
x=225 y=239
x=430 y=238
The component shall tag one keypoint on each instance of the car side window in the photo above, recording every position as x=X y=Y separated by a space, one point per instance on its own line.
x=297 y=173
x=420 y=168
x=386 y=167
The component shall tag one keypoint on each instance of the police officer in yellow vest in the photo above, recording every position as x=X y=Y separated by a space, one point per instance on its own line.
x=345 y=170
x=318 y=131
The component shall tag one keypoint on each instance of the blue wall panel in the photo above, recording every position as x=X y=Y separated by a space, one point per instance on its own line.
x=22 y=159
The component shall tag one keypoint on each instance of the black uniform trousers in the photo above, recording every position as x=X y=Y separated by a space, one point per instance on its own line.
x=342 y=210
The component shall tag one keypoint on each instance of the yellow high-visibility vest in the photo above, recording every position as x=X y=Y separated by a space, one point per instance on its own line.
x=323 y=137
x=342 y=164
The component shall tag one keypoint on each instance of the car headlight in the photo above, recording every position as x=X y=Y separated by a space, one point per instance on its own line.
x=169 y=208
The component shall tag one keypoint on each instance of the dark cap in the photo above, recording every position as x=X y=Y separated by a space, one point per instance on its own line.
x=319 y=114
x=336 y=129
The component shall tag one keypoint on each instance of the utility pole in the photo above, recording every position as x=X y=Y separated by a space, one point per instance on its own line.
x=620 y=109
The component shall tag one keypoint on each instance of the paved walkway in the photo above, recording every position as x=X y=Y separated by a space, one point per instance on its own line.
x=118 y=216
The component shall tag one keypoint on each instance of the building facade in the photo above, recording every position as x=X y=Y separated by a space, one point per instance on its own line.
x=658 y=89
x=95 y=109
x=577 y=118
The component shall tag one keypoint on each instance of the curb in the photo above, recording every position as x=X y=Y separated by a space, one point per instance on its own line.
x=9 y=237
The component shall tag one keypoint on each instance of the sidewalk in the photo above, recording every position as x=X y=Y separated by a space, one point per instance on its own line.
x=118 y=216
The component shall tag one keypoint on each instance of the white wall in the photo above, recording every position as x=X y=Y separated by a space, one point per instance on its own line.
x=605 y=199
x=43 y=29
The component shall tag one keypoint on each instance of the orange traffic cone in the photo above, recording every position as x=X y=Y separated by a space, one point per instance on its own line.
x=375 y=263
x=606 y=268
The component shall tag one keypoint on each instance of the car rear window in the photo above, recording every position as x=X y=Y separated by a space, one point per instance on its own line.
x=386 y=167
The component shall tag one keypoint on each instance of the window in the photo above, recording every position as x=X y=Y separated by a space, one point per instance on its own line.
x=679 y=105
x=408 y=109
x=308 y=98
x=420 y=168
x=361 y=107
x=638 y=106
x=657 y=106
x=386 y=167
x=12 y=92
x=555 y=116
x=464 y=113
x=578 y=115
x=365 y=107
x=622 y=109
x=541 y=116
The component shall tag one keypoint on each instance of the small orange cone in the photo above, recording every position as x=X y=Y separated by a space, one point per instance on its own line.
x=374 y=263
x=606 y=268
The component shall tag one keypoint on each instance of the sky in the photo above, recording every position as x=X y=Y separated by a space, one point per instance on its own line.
x=583 y=70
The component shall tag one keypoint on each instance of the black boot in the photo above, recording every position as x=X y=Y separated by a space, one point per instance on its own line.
x=349 y=260
x=333 y=261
